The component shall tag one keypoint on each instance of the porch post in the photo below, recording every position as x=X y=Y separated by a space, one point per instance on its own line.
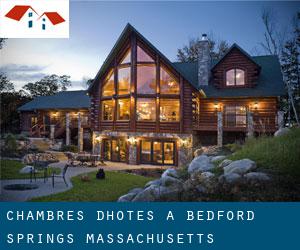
x=220 y=129
x=250 y=127
x=52 y=132
x=67 y=129
x=280 y=119
x=80 y=134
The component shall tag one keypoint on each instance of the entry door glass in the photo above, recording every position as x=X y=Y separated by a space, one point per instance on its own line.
x=115 y=149
x=157 y=152
x=169 y=153
x=122 y=150
x=146 y=151
x=106 y=150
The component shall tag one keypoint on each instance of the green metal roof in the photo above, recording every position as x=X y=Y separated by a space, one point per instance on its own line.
x=62 y=100
x=269 y=83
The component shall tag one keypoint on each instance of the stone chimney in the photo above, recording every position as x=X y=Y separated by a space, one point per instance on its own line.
x=204 y=62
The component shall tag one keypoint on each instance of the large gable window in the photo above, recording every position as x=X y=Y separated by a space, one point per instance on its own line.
x=146 y=79
x=124 y=80
x=146 y=109
x=109 y=86
x=235 y=77
x=143 y=56
x=168 y=83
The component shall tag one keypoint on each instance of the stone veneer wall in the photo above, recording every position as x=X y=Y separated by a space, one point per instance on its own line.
x=184 y=145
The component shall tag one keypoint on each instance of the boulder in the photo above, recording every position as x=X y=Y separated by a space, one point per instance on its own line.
x=240 y=167
x=230 y=178
x=218 y=158
x=281 y=131
x=257 y=176
x=170 y=181
x=200 y=164
x=127 y=197
x=224 y=163
x=156 y=182
x=189 y=184
x=198 y=152
x=135 y=190
x=150 y=193
x=26 y=170
x=170 y=172
x=171 y=193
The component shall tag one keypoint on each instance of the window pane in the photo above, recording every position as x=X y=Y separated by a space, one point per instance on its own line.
x=126 y=58
x=230 y=77
x=157 y=152
x=123 y=109
x=146 y=109
x=107 y=110
x=123 y=80
x=240 y=77
x=108 y=87
x=168 y=84
x=241 y=118
x=168 y=153
x=169 y=110
x=146 y=79
x=145 y=151
x=142 y=56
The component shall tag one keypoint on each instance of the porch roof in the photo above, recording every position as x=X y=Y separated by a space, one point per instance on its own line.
x=62 y=100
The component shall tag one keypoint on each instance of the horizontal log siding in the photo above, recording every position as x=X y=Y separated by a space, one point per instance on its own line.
x=235 y=59
x=264 y=117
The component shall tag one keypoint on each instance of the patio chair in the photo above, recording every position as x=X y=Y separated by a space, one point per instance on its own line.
x=62 y=175
x=39 y=167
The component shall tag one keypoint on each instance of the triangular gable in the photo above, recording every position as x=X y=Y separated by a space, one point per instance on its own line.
x=126 y=33
x=54 y=17
x=18 y=11
x=235 y=46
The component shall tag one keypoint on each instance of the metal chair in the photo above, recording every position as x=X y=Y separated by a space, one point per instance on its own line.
x=62 y=175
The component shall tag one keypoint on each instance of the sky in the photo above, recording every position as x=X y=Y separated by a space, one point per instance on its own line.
x=95 y=26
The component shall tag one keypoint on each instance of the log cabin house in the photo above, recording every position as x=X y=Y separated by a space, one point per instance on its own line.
x=143 y=109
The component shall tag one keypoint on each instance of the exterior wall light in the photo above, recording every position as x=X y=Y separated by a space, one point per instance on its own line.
x=184 y=142
x=98 y=139
x=216 y=106
x=255 y=105
x=132 y=140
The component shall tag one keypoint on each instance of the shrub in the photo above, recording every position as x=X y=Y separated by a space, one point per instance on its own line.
x=69 y=148
x=10 y=145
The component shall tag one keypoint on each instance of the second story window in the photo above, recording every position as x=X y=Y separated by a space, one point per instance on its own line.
x=235 y=77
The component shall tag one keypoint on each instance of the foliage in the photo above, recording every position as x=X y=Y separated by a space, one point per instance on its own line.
x=281 y=154
x=189 y=53
x=69 y=148
x=10 y=144
x=10 y=170
x=48 y=85
x=5 y=84
x=233 y=147
x=111 y=188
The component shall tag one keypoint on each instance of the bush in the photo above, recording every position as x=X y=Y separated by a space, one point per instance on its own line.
x=10 y=145
x=280 y=154
x=69 y=148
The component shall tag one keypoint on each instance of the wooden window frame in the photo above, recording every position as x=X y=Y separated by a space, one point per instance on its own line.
x=235 y=85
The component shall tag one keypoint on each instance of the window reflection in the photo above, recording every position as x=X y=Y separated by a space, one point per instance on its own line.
x=108 y=87
x=123 y=81
x=168 y=84
x=126 y=58
x=142 y=56
x=107 y=110
x=169 y=110
x=123 y=109
x=146 y=79
x=146 y=109
x=235 y=77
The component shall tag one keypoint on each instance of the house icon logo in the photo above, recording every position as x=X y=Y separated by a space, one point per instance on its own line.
x=40 y=19
x=19 y=12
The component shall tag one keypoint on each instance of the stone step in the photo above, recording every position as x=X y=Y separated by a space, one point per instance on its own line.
x=59 y=155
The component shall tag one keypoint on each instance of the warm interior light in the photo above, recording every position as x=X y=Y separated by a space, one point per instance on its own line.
x=98 y=138
x=132 y=140
x=255 y=105
x=216 y=105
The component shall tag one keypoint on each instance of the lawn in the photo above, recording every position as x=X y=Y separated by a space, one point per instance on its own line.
x=111 y=188
x=10 y=170
x=280 y=154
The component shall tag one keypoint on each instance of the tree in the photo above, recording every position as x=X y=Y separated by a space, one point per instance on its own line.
x=189 y=53
x=5 y=84
x=48 y=85
x=2 y=41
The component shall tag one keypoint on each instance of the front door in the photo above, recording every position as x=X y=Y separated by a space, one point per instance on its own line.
x=157 y=152
x=114 y=149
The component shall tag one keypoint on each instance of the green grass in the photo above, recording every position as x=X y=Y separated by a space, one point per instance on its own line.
x=280 y=154
x=10 y=170
x=111 y=188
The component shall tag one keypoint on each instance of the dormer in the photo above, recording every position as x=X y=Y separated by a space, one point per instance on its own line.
x=236 y=69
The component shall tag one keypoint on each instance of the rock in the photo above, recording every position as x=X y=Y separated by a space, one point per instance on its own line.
x=257 y=176
x=150 y=193
x=224 y=163
x=200 y=164
x=230 y=178
x=240 y=167
x=198 y=152
x=212 y=150
x=170 y=181
x=169 y=193
x=127 y=197
x=170 y=172
x=218 y=158
x=26 y=170
x=135 y=190
x=188 y=185
x=207 y=175
x=156 y=182
x=281 y=131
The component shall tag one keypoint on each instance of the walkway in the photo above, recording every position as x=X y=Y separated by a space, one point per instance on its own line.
x=45 y=189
